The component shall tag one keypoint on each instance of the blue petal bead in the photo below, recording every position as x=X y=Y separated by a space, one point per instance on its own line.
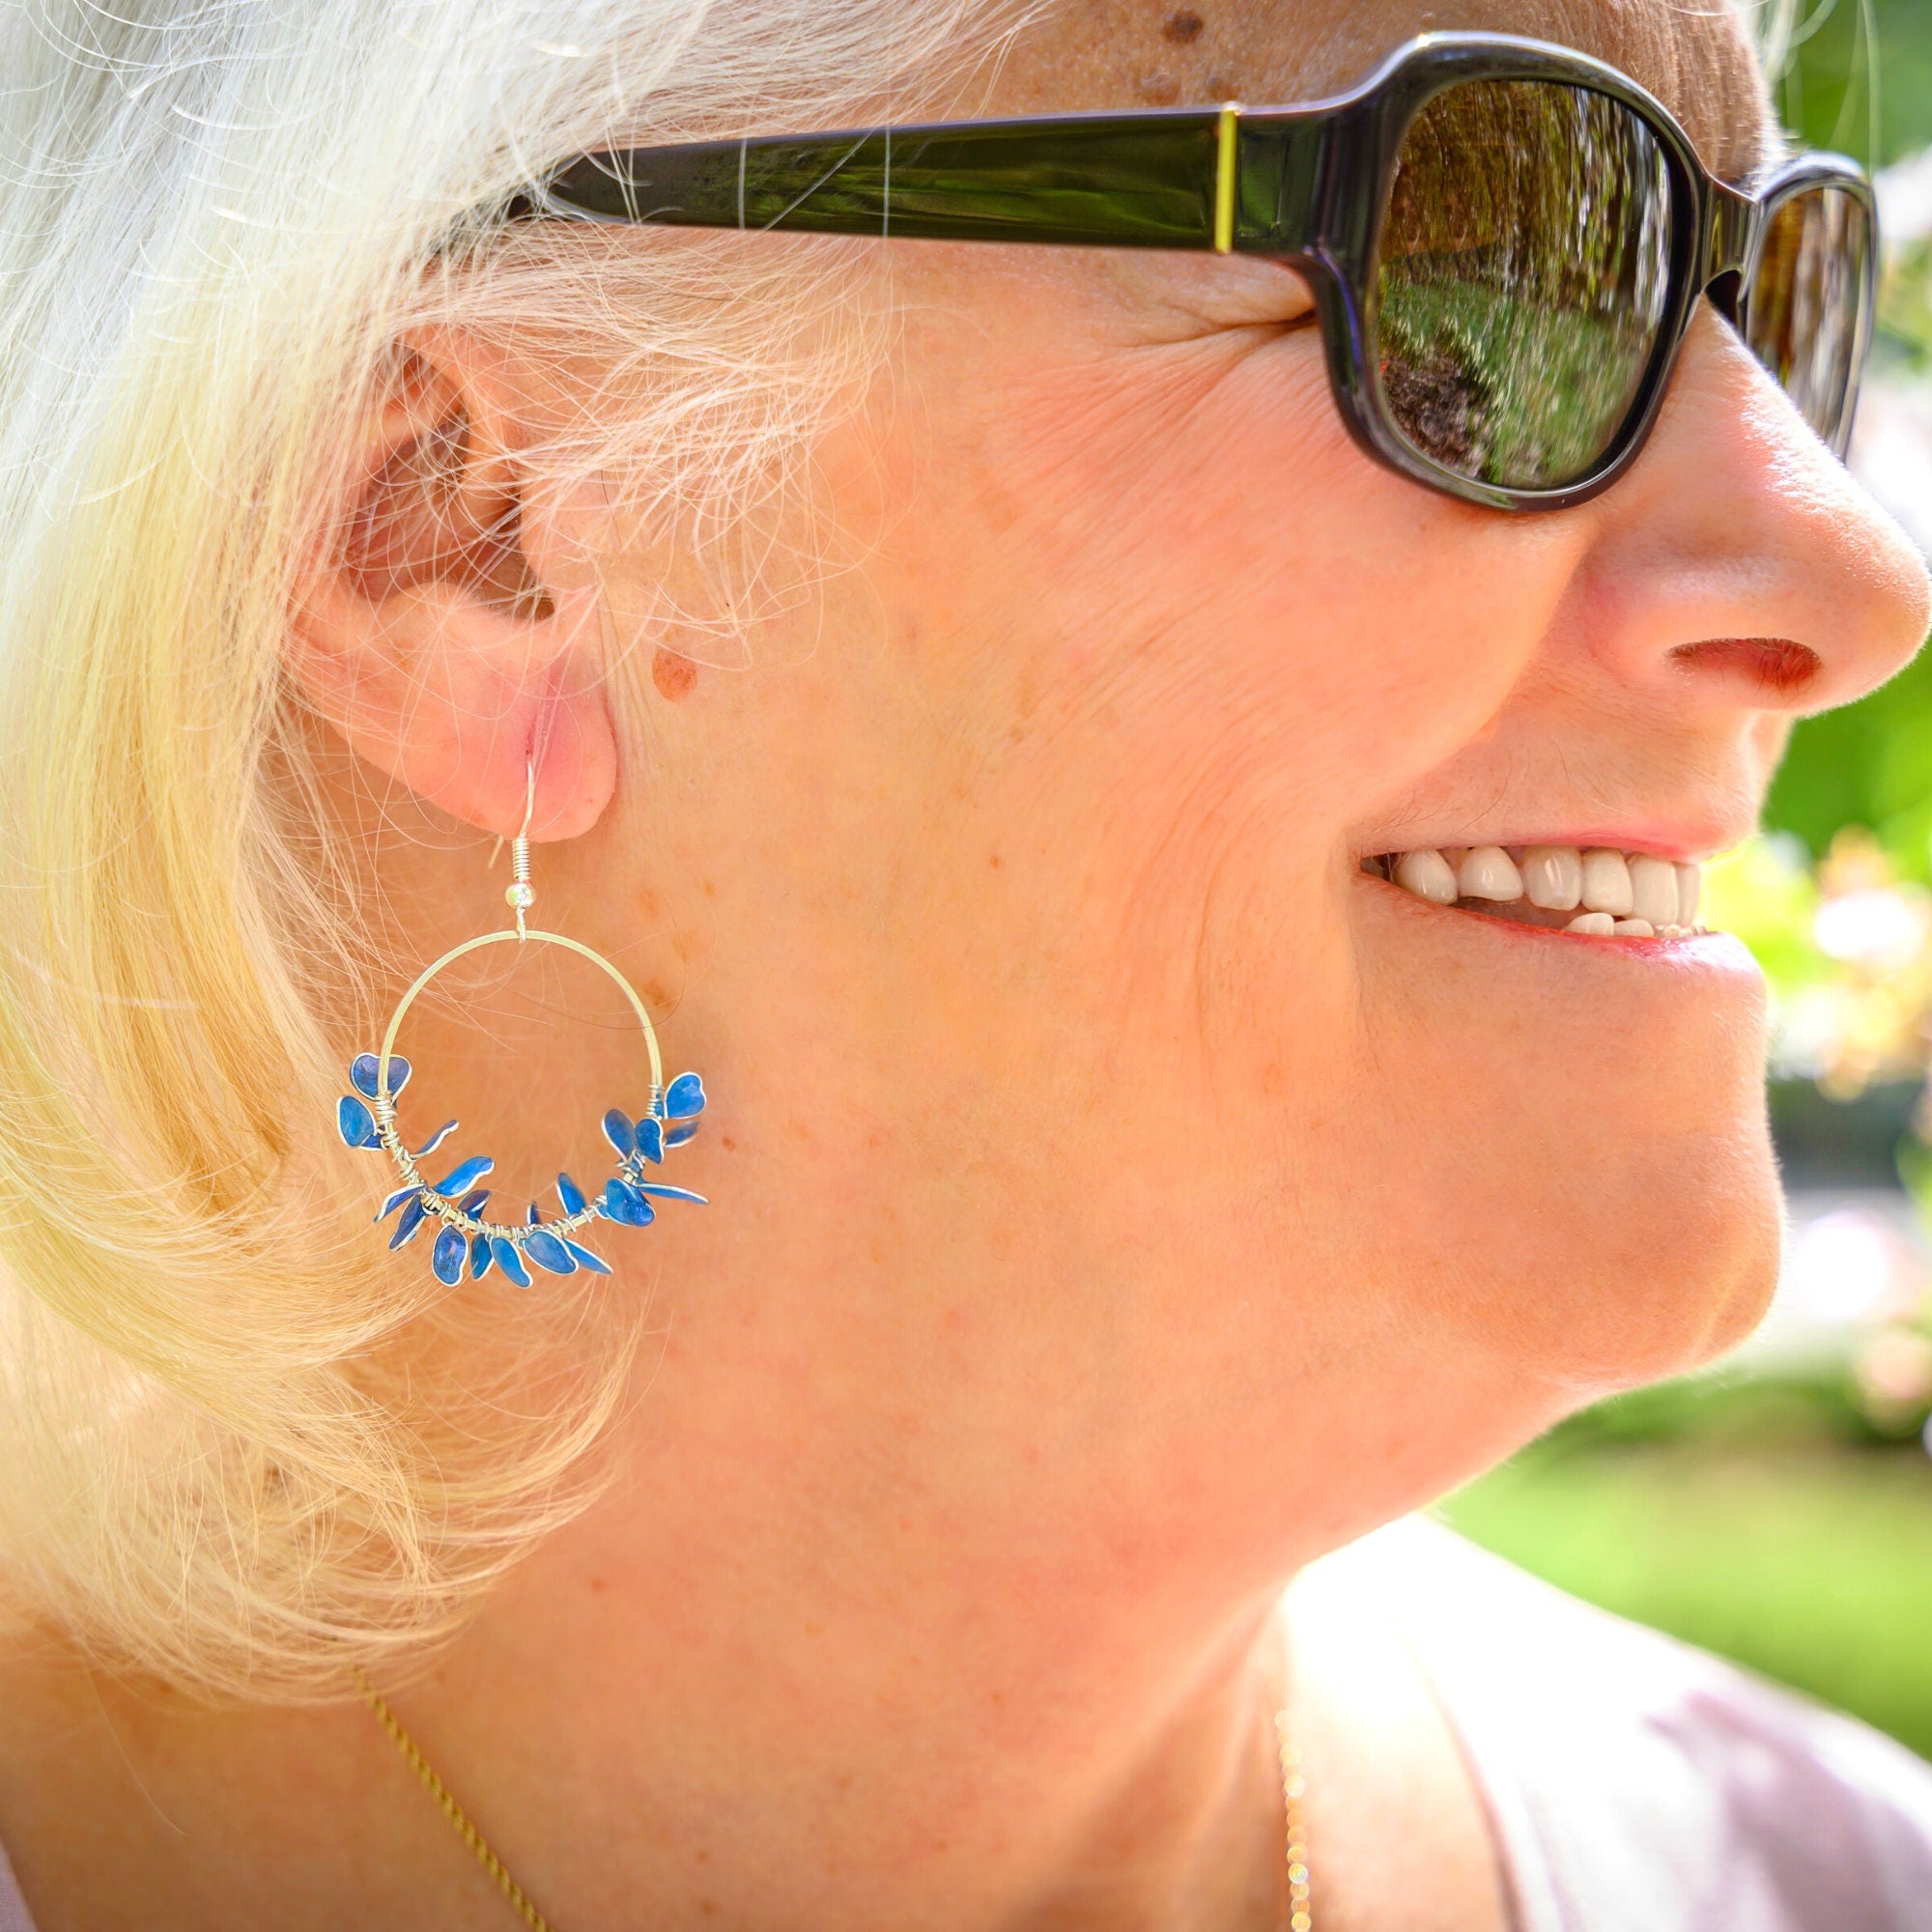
x=504 y=1252
x=596 y=1264
x=677 y=1136
x=411 y=1220
x=366 y=1068
x=474 y=1202
x=651 y=1139
x=480 y=1257
x=619 y=1133
x=571 y=1195
x=533 y=1218
x=461 y=1177
x=684 y=1095
x=355 y=1124
x=447 y=1260
x=396 y=1201
x=548 y=1252
x=663 y=1193
x=434 y=1140
x=622 y=1202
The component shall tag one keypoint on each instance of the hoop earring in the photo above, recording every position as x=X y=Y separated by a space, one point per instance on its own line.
x=367 y=1119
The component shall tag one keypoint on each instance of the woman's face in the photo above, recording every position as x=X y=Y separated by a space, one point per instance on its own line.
x=1133 y=1112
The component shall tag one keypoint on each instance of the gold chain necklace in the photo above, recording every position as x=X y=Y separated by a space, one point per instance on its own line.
x=520 y=1900
x=1294 y=1894
x=1295 y=1915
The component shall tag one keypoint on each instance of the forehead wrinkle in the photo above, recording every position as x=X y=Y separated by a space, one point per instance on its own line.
x=1694 y=55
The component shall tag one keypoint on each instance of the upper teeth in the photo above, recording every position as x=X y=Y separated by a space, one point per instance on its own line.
x=1637 y=894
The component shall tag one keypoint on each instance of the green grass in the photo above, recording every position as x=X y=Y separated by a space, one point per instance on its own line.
x=1810 y=1563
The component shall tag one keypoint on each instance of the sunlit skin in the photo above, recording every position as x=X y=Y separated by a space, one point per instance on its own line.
x=1121 y=1200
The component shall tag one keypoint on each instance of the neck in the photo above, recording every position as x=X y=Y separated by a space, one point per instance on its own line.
x=674 y=1715
x=769 y=1726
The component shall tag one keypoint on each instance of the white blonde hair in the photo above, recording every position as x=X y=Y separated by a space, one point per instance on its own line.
x=215 y=221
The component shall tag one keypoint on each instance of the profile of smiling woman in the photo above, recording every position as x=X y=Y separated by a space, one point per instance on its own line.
x=1106 y=829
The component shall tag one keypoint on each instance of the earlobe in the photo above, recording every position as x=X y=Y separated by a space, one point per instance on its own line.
x=445 y=625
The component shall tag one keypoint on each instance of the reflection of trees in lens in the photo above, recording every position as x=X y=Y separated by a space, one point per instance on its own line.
x=1524 y=272
x=1802 y=312
x=1435 y=400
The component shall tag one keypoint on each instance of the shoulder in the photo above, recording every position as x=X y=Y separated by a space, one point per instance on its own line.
x=1635 y=1783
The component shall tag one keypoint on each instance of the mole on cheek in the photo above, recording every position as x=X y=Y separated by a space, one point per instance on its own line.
x=1181 y=28
x=674 y=675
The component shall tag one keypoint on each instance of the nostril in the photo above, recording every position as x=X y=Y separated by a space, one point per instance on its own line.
x=1776 y=666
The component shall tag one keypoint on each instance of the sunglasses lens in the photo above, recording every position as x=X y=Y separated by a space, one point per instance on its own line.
x=1805 y=311
x=1523 y=279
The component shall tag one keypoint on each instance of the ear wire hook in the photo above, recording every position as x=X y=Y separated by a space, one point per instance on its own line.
x=520 y=893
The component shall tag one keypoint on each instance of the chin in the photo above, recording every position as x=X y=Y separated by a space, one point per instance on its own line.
x=1666 y=1256
x=1671 y=1312
x=1594 y=1193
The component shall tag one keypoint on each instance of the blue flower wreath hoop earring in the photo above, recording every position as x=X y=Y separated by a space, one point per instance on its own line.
x=367 y=1119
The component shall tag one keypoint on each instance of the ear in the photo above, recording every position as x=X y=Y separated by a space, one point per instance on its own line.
x=446 y=623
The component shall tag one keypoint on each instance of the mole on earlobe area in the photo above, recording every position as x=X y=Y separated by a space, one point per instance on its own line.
x=673 y=674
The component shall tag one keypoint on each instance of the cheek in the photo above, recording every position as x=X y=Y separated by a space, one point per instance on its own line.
x=1184 y=635
x=1199 y=535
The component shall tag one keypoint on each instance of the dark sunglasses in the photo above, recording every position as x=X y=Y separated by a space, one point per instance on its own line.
x=1507 y=242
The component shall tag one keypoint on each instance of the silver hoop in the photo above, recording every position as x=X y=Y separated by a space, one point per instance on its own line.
x=367 y=1119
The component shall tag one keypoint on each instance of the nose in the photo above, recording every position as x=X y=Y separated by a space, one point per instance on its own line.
x=1739 y=564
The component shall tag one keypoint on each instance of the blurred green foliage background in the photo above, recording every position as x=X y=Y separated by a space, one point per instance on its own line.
x=1860 y=79
x=1852 y=74
x=1779 y=1512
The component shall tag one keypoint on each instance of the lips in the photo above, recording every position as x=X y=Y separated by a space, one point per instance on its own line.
x=1594 y=891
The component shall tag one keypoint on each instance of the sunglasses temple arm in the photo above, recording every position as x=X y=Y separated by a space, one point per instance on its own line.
x=1279 y=182
x=1148 y=180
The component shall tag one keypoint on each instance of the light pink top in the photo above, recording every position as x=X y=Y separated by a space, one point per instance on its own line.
x=1637 y=1786
x=1634 y=1785
x=13 y=1907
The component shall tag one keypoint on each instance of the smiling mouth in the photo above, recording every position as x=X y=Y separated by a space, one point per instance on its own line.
x=1590 y=890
